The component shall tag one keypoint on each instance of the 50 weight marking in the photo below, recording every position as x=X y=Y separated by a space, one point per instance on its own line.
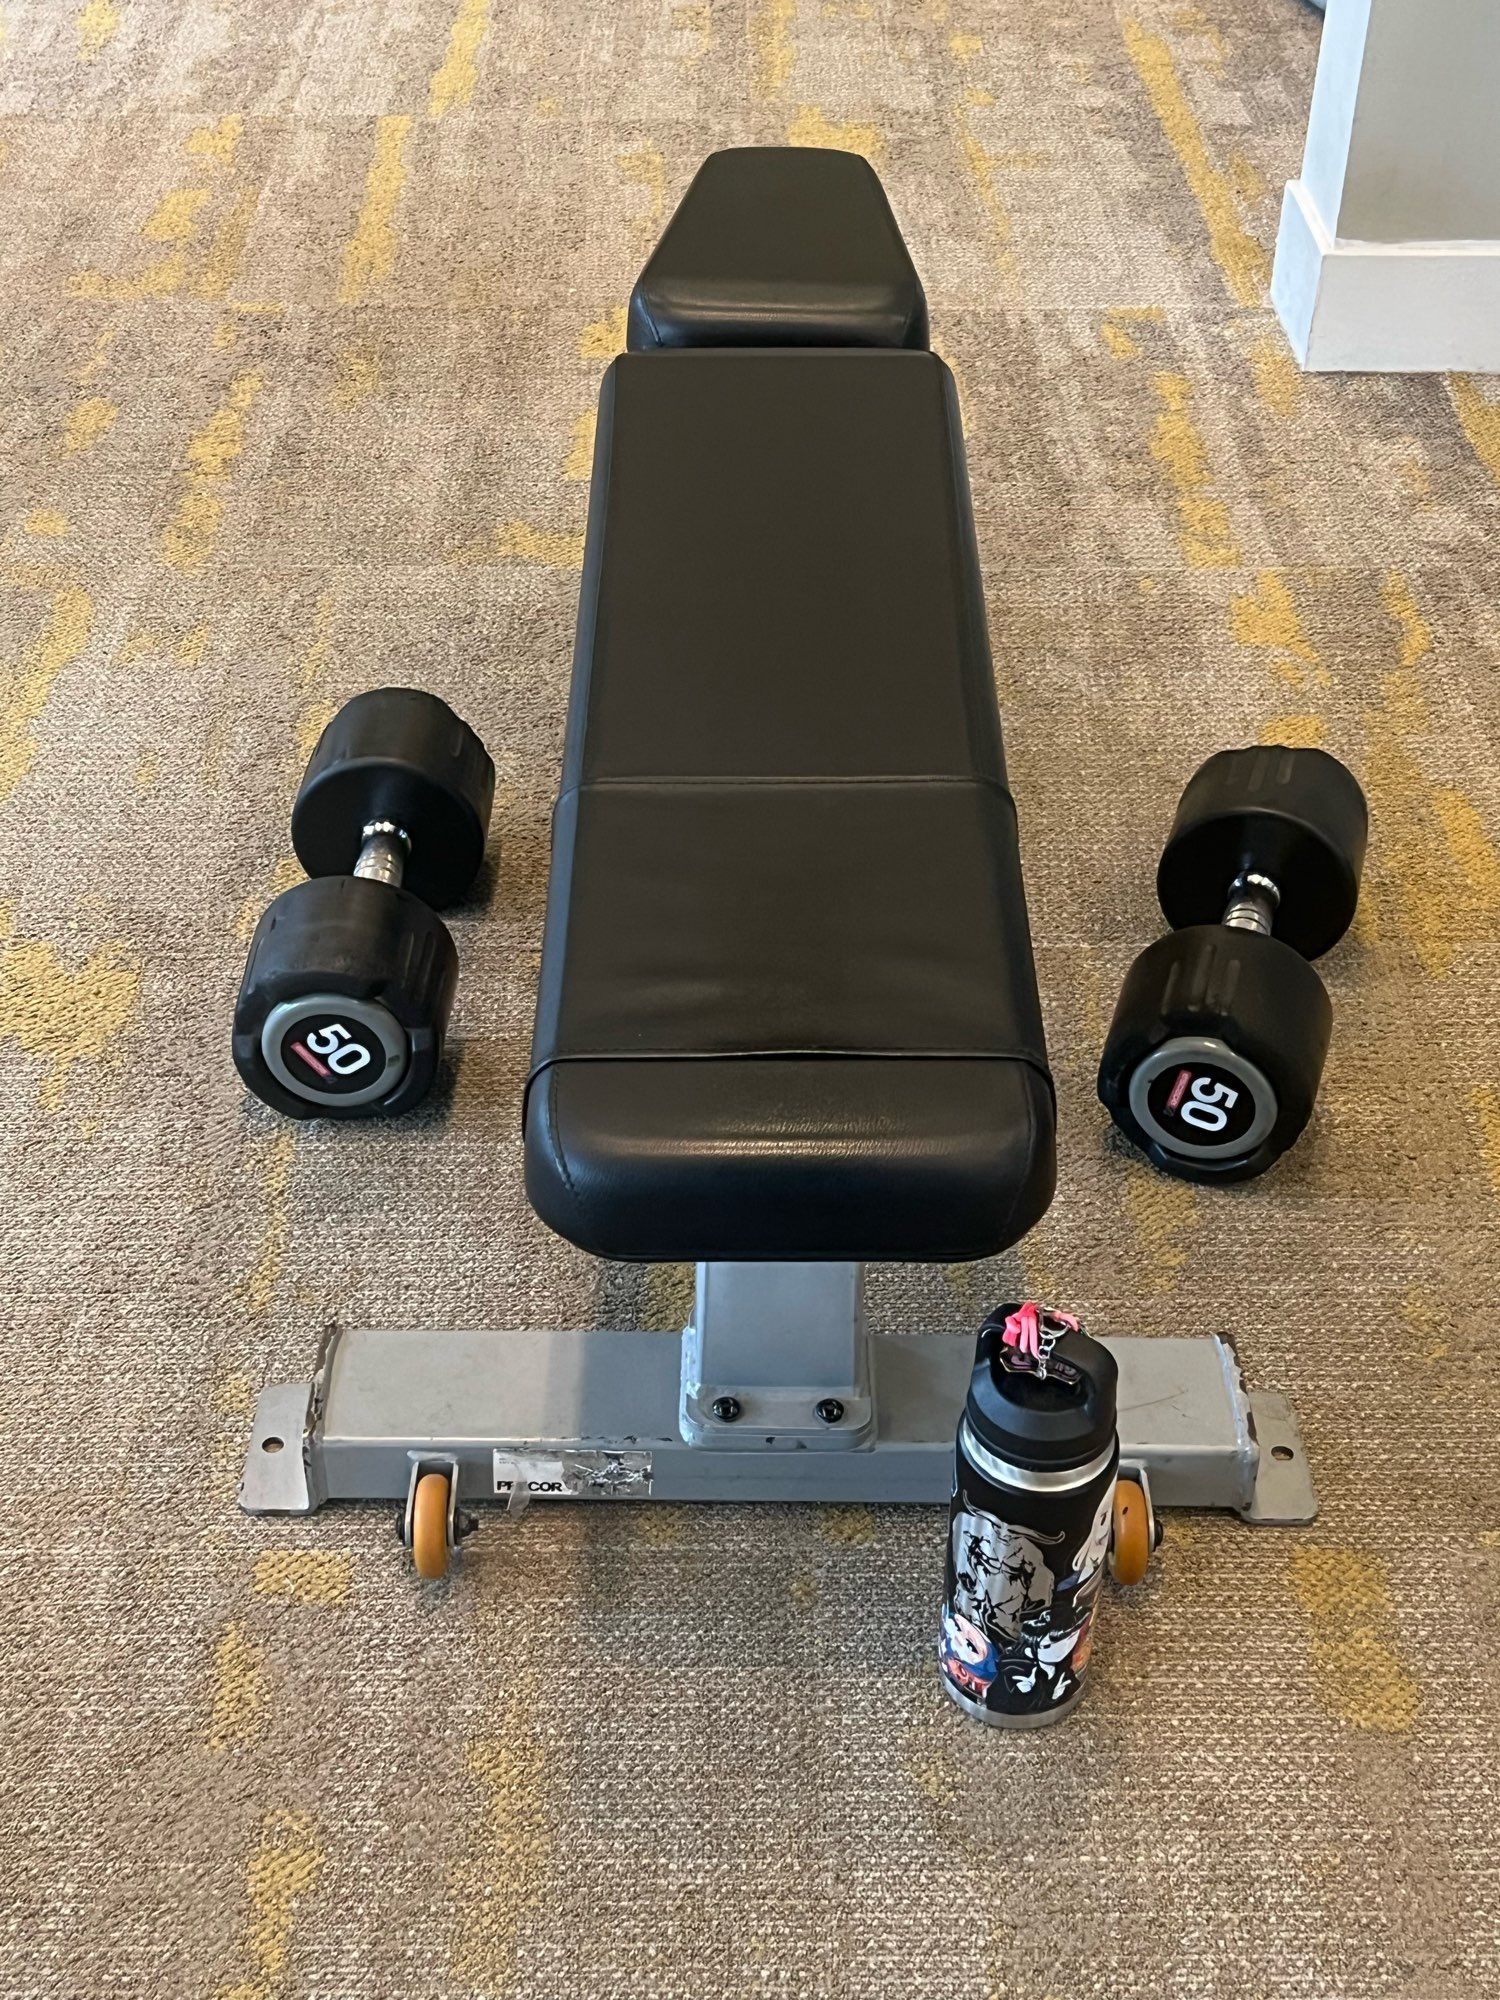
x=343 y=1054
x=1207 y=1104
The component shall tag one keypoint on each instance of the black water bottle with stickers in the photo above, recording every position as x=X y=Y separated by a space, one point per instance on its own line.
x=1029 y=1527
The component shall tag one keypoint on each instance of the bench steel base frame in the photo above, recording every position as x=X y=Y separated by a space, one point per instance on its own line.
x=622 y=1415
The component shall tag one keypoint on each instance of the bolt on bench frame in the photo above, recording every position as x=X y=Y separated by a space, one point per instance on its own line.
x=628 y=1415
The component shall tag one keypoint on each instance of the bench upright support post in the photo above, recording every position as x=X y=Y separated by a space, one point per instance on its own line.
x=777 y=1355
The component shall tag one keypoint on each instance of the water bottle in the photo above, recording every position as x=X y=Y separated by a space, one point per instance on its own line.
x=1029 y=1526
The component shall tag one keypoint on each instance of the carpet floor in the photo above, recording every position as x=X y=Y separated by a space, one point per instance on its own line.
x=305 y=304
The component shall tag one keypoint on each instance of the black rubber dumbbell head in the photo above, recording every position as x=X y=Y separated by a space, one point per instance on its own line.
x=403 y=757
x=1213 y=1058
x=344 y=1005
x=1297 y=817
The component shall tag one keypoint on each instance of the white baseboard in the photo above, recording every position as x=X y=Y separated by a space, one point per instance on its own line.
x=1396 y=308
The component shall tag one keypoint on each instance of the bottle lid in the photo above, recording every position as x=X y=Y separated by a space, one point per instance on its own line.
x=1042 y=1394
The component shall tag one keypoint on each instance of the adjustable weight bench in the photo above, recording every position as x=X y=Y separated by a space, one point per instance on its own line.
x=788 y=1020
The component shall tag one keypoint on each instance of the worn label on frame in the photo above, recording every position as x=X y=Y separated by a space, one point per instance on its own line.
x=604 y=1473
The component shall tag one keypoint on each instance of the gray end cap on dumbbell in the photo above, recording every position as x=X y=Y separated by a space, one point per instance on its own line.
x=1193 y=1057
x=307 y=1044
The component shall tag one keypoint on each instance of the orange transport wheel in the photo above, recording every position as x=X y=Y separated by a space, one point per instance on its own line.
x=1130 y=1542
x=429 y=1527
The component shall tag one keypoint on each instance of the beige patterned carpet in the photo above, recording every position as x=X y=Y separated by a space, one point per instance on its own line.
x=304 y=308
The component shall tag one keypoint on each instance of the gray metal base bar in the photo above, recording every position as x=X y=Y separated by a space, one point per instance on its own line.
x=523 y=1416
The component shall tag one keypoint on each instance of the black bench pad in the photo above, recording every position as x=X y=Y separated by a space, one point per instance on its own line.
x=787 y=1003
x=788 y=245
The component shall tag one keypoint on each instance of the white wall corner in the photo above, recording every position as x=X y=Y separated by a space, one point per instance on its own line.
x=1398 y=308
x=1301 y=243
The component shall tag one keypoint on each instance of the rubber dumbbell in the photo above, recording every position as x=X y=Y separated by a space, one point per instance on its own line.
x=1214 y=1056
x=344 y=1004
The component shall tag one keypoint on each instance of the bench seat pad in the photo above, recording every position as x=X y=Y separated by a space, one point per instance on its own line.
x=787 y=1004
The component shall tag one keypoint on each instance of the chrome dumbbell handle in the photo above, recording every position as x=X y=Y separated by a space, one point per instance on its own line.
x=1252 y=906
x=382 y=857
